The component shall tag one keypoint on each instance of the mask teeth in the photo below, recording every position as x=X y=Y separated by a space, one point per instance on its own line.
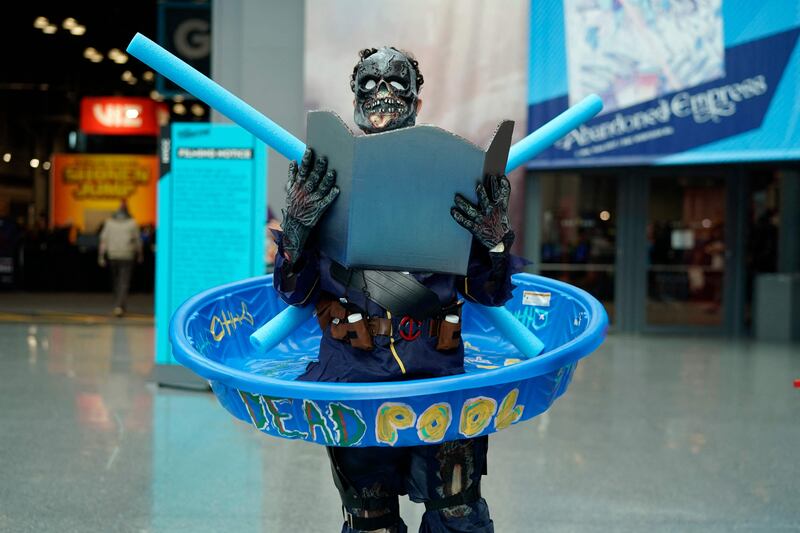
x=393 y=104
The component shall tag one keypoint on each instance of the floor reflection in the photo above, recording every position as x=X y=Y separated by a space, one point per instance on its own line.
x=655 y=433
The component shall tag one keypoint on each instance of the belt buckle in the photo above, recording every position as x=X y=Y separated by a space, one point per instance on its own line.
x=409 y=328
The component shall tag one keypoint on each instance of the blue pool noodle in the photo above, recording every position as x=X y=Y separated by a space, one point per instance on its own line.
x=216 y=96
x=281 y=326
x=543 y=138
x=272 y=333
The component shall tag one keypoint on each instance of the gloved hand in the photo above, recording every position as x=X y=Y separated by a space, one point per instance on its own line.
x=487 y=221
x=310 y=191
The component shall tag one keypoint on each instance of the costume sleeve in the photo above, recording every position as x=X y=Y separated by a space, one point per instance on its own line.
x=488 y=279
x=298 y=282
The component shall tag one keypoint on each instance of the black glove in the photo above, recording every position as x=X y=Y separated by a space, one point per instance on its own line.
x=309 y=194
x=487 y=221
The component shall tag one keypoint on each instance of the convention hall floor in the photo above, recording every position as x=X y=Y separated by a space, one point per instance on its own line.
x=654 y=434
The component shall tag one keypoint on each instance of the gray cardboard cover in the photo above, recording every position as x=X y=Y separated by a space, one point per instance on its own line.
x=397 y=188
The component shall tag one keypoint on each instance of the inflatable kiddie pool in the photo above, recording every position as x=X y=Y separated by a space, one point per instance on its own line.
x=501 y=387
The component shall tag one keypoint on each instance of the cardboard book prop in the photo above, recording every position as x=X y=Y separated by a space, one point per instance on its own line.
x=397 y=188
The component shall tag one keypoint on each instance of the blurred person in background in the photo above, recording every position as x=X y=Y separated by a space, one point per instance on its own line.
x=120 y=245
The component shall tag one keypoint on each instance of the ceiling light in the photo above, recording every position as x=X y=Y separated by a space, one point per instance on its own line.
x=127 y=75
x=148 y=75
x=69 y=23
x=157 y=96
x=605 y=216
x=179 y=109
x=50 y=29
x=46 y=165
x=132 y=80
x=40 y=22
x=34 y=163
x=113 y=53
x=78 y=30
x=90 y=52
x=197 y=110
x=178 y=98
x=121 y=59
x=7 y=157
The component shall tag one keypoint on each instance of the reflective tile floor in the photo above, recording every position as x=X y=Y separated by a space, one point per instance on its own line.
x=654 y=434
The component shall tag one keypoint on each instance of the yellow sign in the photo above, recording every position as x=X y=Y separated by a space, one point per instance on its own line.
x=85 y=189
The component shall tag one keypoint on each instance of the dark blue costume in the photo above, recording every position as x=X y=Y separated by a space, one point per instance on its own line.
x=425 y=473
x=487 y=282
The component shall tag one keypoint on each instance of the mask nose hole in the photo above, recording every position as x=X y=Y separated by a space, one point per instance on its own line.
x=383 y=87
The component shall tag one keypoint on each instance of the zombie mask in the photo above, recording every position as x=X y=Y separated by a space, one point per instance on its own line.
x=386 y=84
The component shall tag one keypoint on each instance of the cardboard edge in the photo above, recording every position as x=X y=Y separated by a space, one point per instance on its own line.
x=505 y=127
x=331 y=115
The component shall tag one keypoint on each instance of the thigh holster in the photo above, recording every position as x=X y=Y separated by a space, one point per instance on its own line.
x=354 y=503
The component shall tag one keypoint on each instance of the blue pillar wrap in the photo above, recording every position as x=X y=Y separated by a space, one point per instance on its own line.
x=233 y=107
x=216 y=96
x=541 y=139
x=281 y=326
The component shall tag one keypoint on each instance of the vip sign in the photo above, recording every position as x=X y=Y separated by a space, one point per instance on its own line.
x=114 y=115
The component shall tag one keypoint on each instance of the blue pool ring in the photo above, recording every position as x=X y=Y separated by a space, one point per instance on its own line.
x=210 y=335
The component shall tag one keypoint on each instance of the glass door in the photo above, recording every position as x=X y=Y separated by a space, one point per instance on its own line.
x=578 y=232
x=686 y=251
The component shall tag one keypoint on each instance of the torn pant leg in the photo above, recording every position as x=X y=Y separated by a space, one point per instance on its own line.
x=370 y=481
x=446 y=477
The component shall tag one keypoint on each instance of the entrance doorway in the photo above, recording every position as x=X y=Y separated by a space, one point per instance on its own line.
x=686 y=251
x=578 y=233
x=663 y=249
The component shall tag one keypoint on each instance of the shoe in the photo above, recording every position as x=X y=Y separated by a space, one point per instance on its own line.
x=118 y=311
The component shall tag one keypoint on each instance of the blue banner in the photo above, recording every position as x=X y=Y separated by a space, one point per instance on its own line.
x=682 y=82
x=211 y=215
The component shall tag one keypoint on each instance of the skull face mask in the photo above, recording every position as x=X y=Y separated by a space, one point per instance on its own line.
x=386 y=83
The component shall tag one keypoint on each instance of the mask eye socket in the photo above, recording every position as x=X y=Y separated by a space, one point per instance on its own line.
x=397 y=85
x=368 y=84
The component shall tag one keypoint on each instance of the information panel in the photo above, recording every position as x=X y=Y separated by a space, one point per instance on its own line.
x=682 y=82
x=211 y=213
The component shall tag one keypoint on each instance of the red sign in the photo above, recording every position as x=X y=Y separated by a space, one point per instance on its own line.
x=121 y=115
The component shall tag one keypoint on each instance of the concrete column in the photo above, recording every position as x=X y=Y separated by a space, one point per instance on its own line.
x=257 y=53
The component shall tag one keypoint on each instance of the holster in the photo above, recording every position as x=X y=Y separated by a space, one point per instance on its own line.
x=333 y=313
x=448 y=335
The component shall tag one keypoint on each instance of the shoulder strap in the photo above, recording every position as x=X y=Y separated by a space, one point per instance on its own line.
x=400 y=293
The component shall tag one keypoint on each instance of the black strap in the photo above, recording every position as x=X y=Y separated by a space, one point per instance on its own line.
x=468 y=496
x=400 y=293
x=361 y=523
x=351 y=499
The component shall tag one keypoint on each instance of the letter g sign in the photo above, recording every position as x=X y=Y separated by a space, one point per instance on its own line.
x=192 y=40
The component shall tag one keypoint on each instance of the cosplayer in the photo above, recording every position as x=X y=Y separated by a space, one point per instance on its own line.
x=364 y=341
x=387 y=326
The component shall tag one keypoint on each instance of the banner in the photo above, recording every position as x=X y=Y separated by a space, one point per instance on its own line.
x=212 y=215
x=85 y=189
x=682 y=82
x=122 y=115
